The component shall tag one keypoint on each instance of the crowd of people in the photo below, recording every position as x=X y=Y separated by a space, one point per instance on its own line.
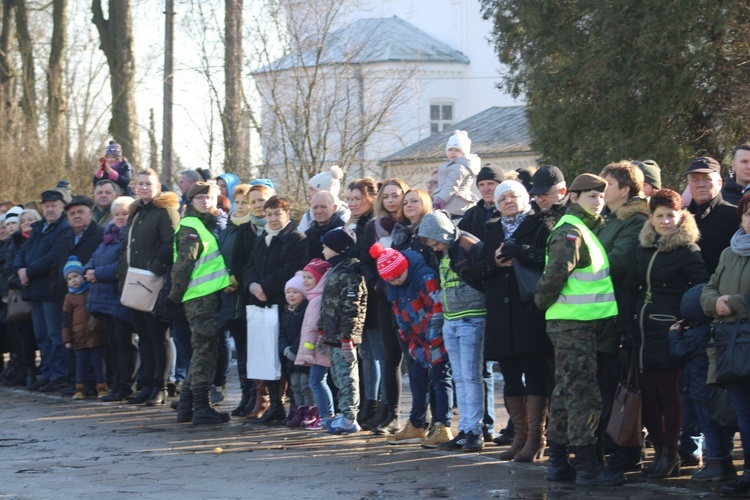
x=565 y=286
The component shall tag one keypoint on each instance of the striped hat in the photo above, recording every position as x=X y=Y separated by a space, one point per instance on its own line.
x=391 y=263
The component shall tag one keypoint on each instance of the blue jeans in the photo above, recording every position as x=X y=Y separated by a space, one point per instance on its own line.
x=439 y=377
x=372 y=357
x=739 y=393
x=87 y=358
x=719 y=441
x=184 y=351
x=464 y=341
x=47 y=318
x=321 y=391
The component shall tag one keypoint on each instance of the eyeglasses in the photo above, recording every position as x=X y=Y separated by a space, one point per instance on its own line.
x=546 y=196
x=510 y=197
x=202 y=197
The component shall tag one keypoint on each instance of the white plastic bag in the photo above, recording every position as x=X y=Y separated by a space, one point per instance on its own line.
x=263 y=361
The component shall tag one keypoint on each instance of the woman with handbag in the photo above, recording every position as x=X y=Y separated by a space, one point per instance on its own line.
x=666 y=263
x=515 y=328
x=149 y=236
x=725 y=299
x=104 y=304
x=277 y=254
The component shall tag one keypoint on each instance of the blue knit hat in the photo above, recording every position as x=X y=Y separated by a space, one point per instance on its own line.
x=263 y=182
x=72 y=266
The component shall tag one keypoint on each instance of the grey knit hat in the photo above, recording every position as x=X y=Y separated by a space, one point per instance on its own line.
x=438 y=226
x=651 y=173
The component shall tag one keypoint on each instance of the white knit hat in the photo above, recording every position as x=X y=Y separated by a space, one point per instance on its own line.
x=328 y=181
x=460 y=140
x=517 y=189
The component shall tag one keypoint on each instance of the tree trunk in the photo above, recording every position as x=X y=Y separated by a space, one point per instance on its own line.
x=7 y=72
x=166 y=145
x=232 y=116
x=56 y=98
x=116 y=41
x=28 y=76
x=153 y=149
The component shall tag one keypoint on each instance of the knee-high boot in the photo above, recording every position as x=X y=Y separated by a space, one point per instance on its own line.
x=517 y=410
x=536 y=412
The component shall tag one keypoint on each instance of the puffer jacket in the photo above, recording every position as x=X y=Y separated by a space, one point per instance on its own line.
x=309 y=333
x=39 y=256
x=104 y=296
x=344 y=304
x=662 y=270
x=688 y=346
x=455 y=180
x=75 y=323
x=290 y=327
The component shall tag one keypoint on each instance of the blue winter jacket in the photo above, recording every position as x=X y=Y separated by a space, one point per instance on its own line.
x=39 y=256
x=688 y=346
x=104 y=297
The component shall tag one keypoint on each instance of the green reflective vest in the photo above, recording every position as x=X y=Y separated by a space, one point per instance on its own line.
x=588 y=294
x=210 y=274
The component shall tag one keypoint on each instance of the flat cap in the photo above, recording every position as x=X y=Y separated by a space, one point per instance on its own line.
x=588 y=182
x=52 y=195
x=704 y=165
x=79 y=200
x=545 y=178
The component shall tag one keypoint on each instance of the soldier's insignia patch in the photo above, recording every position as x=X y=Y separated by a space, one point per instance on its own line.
x=571 y=237
x=193 y=236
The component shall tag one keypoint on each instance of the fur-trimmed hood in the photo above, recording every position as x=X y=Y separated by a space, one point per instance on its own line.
x=633 y=207
x=687 y=234
x=165 y=199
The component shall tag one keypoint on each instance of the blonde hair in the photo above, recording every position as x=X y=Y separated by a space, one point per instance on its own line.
x=121 y=202
x=380 y=211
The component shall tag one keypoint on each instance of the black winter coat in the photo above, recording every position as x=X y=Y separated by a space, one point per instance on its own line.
x=717 y=222
x=232 y=304
x=514 y=327
x=290 y=326
x=476 y=218
x=315 y=235
x=83 y=250
x=662 y=270
x=39 y=256
x=357 y=251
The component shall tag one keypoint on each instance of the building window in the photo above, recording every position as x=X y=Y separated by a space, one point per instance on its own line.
x=441 y=117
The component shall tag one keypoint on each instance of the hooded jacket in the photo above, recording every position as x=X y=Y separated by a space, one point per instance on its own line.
x=231 y=180
x=663 y=268
x=455 y=180
x=419 y=312
x=316 y=355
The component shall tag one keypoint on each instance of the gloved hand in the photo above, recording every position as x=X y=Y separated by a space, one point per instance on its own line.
x=438 y=204
x=233 y=285
x=289 y=354
x=511 y=250
x=347 y=350
x=626 y=343
x=173 y=311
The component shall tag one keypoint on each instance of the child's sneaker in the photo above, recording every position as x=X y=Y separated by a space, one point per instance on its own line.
x=342 y=425
x=407 y=435
x=311 y=415
x=439 y=433
x=317 y=425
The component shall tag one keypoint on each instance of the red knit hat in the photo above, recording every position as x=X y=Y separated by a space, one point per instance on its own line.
x=317 y=267
x=391 y=263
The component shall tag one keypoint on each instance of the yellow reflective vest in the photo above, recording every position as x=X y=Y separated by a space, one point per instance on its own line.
x=588 y=294
x=210 y=274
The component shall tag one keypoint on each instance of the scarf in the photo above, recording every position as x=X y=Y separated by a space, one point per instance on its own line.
x=270 y=233
x=384 y=226
x=238 y=221
x=81 y=289
x=259 y=223
x=740 y=243
x=510 y=224
x=113 y=234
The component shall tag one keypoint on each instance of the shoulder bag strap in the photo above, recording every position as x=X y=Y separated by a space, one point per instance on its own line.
x=130 y=233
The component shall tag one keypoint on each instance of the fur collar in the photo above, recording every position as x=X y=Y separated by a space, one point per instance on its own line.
x=633 y=206
x=165 y=199
x=687 y=234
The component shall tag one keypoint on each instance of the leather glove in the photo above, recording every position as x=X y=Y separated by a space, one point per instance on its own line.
x=511 y=250
x=289 y=354
x=347 y=350
x=438 y=204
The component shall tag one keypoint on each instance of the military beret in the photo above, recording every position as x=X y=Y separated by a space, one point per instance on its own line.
x=588 y=182
x=200 y=187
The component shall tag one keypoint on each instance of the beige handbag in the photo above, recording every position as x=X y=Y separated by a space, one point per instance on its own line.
x=141 y=287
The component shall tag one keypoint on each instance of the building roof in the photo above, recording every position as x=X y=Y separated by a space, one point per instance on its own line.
x=496 y=131
x=374 y=40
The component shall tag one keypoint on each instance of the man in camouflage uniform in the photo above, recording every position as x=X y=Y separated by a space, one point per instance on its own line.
x=577 y=293
x=342 y=318
x=199 y=296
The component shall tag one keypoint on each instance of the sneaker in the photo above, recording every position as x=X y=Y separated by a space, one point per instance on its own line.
x=457 y=443
x=440 y=433
x=342 y=425
x=311 y=415
x=318 y=425
x=407 y=435
x=474 y=442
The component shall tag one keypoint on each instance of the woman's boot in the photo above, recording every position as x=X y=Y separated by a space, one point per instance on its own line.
x=239 y=411
x=262 y=401
x=517 y=411
x=378 y=417
x=367 y=411
x=536 y=412
x=276 y=413
x=668 y=464
x=142 y=396
x=390 y=425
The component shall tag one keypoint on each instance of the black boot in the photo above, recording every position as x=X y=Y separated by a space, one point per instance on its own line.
x=739 y=487
x=203 y=414
x=506 y=435
x=142 y=396
x=589 y=472
x=658 y=450
x=276 y=413
x=390 y=424
x=366 y=411
x=378 y=417
x=158 y=397
x=185 y=408
x=625 y=460
x=668 y=464
x=712 y=470
x=239 y=411
x=30 y=378
x=559 y=467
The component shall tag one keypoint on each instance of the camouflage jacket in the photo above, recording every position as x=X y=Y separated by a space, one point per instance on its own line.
x=566 y=251
x=189 y=248
x=344 y=304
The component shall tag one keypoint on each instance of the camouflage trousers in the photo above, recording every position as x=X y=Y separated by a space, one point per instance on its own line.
x=576 y=403
x=346 y=377
x=204 y=339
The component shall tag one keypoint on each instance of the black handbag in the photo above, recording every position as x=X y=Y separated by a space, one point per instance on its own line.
x=721 y=411
x=732 y=343
x=527 y=278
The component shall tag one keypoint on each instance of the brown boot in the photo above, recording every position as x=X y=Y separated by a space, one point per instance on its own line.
x=101 y=390
x=262 y=401
x=536 y=409
x=517 y=411
x=80 y=391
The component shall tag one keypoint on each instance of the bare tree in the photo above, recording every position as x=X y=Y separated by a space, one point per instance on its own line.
x=56 y=99
x=116 y=37
x=28 y=76
x=7 y=72
x=232 y=116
